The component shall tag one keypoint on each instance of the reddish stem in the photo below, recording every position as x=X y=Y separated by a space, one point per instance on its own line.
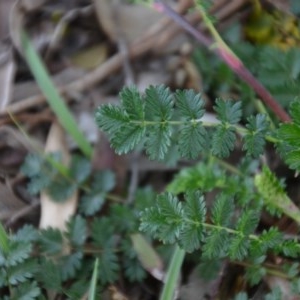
x=231 y=60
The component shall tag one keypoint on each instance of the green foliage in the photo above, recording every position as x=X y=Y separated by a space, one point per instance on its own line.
x=168 y=124
x=277 y=70
x=184 y=222
x=255 y=138
x=201 y=176
x=152 y=122
x=274 y=196
x=289 y=135
x=36 y=260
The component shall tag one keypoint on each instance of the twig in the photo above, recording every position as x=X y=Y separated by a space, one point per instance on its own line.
x=228 y=57
x=22 y=212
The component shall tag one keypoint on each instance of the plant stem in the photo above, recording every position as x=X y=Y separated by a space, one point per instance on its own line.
x=172 y=276
x=225 y=53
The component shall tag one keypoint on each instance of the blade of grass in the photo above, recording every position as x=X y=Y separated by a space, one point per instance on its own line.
x=172 y=276
x=54 y=99
x=92 y=291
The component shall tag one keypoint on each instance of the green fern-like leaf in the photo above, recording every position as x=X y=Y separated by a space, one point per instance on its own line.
x=201 y=176
x=223 y=140
x=26 y=234
x=26 y=291
x=247 y=222
x=32 y=165
x=128 y=138
x=78 y=289
x=152 y=221
x=172 y=212
x=49 y=275
x=159 y=141
x=228 y=111
x=132 y=102
x=92 y=202
x=159 y=104
x=111 y=118
x=51 y=241
x=77 y=230
x=131 y=263
x=70 y=264
x=19 y=252
x=190 y=104
x=80 y=168
x=192 y=233
x=222 y=211
x=22 y=272
x=216 y=244
x=123 y=218
x=289 y=248
x=61 y=188
x=295 y=111
x=102 y=231
x=193 y=140
x=254 y=140
x=274 y=195
x=269 y=239
x=289 y=135
x=149 y=120
x=108 y=266
x=238 y=248
x=103 y=181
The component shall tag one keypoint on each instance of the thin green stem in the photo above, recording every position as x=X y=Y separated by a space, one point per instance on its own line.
x=173 y=274
x=229 y=230
x=228 y=166
x=53 y=97
x=269 y=270
x=219 y=41
x=242 y=131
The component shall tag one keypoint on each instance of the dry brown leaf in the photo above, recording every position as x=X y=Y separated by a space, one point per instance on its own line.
x=54 y=214
x=17 y=19
x=10 y=204
x=120 y=19
x=7 y=64
x=115 y=294
x=91 y=57
x=5 y=7
x=16 y=22
x=30 y=88
x=7 y=74
x=147 y=256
